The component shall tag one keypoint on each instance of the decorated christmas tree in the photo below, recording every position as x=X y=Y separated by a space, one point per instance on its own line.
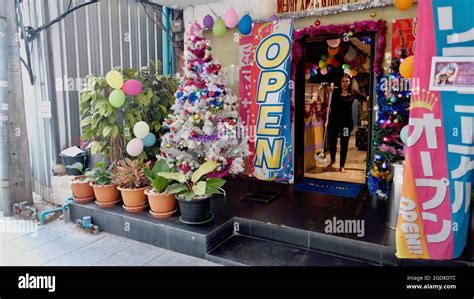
x=204 y=124
x=393 y=100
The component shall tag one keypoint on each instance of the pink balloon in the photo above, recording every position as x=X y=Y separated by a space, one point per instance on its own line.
x=132 y=87
x=195 y=29
x=135 y=147
x=231 y=19
x=324 y=71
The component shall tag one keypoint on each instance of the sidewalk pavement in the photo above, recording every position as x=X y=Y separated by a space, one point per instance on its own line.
x=62 y=244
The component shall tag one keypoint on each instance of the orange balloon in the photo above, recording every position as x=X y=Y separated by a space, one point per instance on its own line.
x=406 y=67
x=403 y=4
x=333 y=51
x=330 y=60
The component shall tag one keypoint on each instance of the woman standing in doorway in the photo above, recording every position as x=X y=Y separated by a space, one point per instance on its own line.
x=340 y=120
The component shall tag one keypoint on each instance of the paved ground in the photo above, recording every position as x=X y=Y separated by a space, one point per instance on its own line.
x=61 y=244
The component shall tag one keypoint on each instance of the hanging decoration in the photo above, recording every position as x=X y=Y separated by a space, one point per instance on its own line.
x=219 y=28
x=208 y=21
x=403 y=4
x=231 y=19
x=141 y=129
x=406 y=67
x=132 y=87
x=245 y=25
x=135 y=147
x=333 y=43
x=117 y=98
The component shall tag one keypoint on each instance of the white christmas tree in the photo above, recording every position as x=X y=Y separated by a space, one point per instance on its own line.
x=204 y=124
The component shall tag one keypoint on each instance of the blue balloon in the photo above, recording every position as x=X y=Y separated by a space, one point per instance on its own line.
x=313 y=72
x=331 y=69
x=245 y=25
x=149 y=140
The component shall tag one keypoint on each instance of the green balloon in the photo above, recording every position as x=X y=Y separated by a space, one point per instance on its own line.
x=117 y=98
x=324 y=57
x=345 y=66
x=219 y=28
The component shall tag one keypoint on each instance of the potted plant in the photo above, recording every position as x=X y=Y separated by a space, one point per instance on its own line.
x=162 y=203
x=194 y=191
x=131 y=181
x=82 y=192
x=105 y=190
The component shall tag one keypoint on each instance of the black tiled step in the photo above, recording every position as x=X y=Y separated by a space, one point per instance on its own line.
x=252 y=251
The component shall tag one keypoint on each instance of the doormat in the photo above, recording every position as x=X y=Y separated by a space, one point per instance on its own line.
x=330 y=187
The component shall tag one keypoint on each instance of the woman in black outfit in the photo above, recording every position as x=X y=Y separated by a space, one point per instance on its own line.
x=340 y=120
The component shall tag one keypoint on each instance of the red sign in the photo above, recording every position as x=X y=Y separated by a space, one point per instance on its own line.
x=403 y=36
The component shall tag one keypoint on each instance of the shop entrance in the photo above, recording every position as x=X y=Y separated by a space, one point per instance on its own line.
x=335 y=115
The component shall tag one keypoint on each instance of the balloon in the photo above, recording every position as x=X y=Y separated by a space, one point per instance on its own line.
x=353 y=73
x=132 y=87
x=406 y=67
x=208 y=21
x=345 y=66
x=219 y=28
x=231 y=19
x=336 y=63
x=313 y=72
x=404 y=134
x=324 y=71
x=114 y=79
x=333 y=43
x=135 y=147
x=245 y=25
x=324 y=57
x=117 y=98
x=149 y=140
x=330 y=61
x=322 y=64
x=350 y=55
x=331 y=69
x=333 y=51
x=403 y=4
x=141 y=129
x=347 y=71
x=307 y=76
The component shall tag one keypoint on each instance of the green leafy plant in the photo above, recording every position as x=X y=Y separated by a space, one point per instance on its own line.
x=158 y=183
x=109 y=128
x=101 y=175
x=131 y=173
x=195 y=185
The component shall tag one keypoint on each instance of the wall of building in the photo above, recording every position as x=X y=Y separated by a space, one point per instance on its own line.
x=92 y=40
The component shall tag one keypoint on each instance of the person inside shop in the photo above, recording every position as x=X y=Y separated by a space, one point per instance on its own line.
x=340 y=120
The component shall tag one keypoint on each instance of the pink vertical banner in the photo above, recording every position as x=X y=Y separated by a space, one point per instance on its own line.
x=245 y=76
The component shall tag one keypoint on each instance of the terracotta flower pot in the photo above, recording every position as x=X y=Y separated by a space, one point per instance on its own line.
x=81 y=190
x=133 y=197
x=162 y=205
x=106 y=193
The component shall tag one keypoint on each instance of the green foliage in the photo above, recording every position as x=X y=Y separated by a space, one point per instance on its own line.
x=190 y=188
x=131 y=174
x=159 y=183
x=101 y=175
x=110 y=128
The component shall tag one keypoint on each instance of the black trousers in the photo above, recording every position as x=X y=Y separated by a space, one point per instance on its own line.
x=344 y=132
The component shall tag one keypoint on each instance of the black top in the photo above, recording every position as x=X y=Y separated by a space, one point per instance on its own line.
x=341 y=108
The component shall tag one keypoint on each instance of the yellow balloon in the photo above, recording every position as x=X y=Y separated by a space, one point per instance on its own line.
x=406 y=67
x=353 y=73
x=403 y=4
x=114 y=79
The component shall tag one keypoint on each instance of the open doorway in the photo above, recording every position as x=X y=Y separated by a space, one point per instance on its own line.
x=338 y=76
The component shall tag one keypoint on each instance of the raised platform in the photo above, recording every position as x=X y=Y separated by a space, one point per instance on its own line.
x=289 y=231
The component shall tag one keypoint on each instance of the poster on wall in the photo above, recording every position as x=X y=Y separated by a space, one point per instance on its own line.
x=265 y=62
x=436 y=197
x=403 y=36
x=452 y=74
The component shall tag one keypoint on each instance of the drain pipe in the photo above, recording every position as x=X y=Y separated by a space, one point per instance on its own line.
x=165 y=40
x=4 y=127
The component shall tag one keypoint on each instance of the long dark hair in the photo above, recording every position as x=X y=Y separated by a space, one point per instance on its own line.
x=338 y=90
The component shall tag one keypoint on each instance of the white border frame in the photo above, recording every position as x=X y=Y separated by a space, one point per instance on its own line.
x=436 y=59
